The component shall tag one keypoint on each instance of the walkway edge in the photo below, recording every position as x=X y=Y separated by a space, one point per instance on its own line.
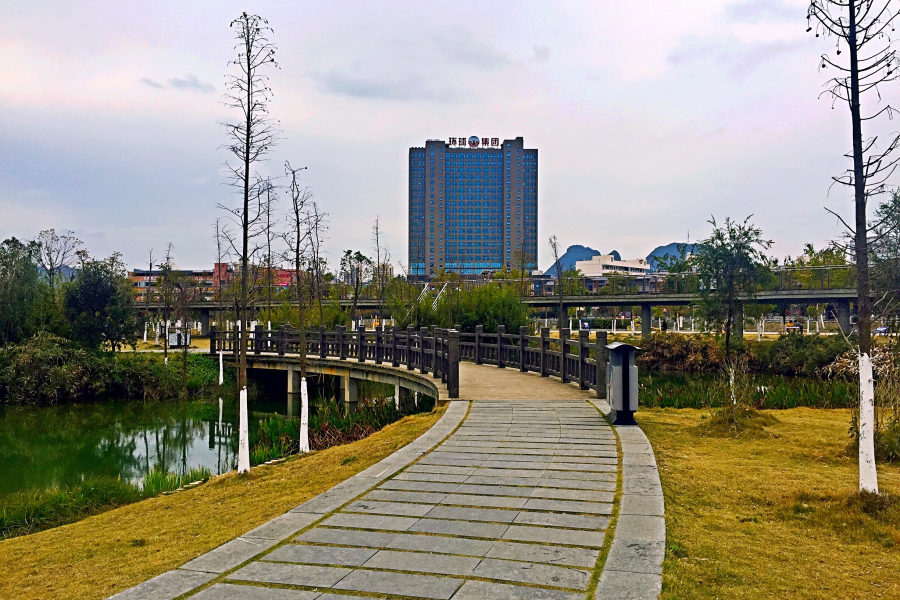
x=633 y=569
x=207 y=567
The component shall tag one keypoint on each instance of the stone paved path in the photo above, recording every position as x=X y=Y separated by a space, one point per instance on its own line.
x=514 y=504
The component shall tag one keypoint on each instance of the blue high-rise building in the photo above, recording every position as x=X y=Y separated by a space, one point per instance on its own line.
x=472 y=206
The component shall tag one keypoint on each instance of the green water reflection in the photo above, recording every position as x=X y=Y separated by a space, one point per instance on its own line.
x=41 y=447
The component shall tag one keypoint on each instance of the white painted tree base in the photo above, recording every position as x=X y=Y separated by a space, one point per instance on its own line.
x=868 y=474
x=304 y=417
x=243 y=435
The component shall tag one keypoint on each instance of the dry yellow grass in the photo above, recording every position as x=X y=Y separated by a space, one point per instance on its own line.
x=769 y=517
x=107 y=553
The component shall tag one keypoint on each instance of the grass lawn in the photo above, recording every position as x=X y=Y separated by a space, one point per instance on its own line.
x=771 y=516
x=107 y=553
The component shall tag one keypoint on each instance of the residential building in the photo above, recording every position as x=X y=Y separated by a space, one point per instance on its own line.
x=472 y=206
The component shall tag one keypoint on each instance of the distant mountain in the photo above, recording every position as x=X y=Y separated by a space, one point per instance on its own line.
x=572 y=254
x=66 y=273
x=661 y=251
x=575 y=253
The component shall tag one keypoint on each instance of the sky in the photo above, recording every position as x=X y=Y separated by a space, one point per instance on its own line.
x=649 y=117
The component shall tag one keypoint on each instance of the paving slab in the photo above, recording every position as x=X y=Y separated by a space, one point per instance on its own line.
x=571 y=506
x=459 y=513
x=561 y=520
x=375 y=507
x=460 y=528
x=527 y=572
x=438 y=564
x=401 y=584
x=305 y=575
x=440 y=544
x=369 y=522
x=230 y=591
x=482 y=590
x=346 y=537
x=482 y=500
x=559 y=555
x=170 y=584
x=570 y=537
x=229 y=555
x=320 y=555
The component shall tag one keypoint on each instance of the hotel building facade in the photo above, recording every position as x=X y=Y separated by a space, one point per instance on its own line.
x=472 y=206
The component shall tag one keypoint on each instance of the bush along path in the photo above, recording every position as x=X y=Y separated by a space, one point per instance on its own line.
x=519 y=501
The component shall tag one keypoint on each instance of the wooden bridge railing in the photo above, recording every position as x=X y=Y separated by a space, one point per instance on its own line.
x=429 y=350
x=439 y=351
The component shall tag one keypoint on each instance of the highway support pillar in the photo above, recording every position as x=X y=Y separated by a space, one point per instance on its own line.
x=646 y=321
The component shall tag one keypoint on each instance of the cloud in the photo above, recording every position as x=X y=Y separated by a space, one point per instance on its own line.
x=464 y=47
x=190 y=83
x=754 y=11
x=409 y=88
x=739 y=58
x=151 y=83
x=541 y=53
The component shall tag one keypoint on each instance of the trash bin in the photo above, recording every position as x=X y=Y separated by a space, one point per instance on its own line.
x=622 y=383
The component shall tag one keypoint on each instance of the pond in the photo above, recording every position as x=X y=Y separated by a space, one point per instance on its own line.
x=43 y=447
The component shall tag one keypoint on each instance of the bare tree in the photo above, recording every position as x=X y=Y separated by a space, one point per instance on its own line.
x=864 y=28
x=251 y=138
x=298 y=242
x=56 y=251
x=554 y=247
x=382 y=260
x=149 y=278
x=269 y=232
x=167 y=291
x=318 y=226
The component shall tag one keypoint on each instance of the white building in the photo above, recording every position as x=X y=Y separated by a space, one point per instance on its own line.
x=606 y=264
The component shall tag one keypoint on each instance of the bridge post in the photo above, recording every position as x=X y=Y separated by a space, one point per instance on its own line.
x=342 y=348
x=583 y=352
x=646 y=321
x=739 y=323
x=410 y=351
x=423 y=366
x=281 y=343
x=379 y=341
x=545 y=346
x=602 y=357
x=293 y=391
x=212 y=340
x=501 y=330
x=204 y=323
x=257 y=341
x=361 y=345
x=395 y=358
x=843 y=315
x=564 y=334
x=479 y=333
x=349 y=392
x=523 y=344
x=323 y=343
x=453 y=364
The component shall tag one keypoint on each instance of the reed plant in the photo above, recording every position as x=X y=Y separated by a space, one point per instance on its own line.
x=158 y=481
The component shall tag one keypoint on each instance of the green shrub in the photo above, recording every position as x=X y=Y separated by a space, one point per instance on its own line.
x=30 y=511
x=801 y=354
x=48 y=369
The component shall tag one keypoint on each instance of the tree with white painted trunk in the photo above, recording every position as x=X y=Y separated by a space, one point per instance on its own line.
x=864 y=29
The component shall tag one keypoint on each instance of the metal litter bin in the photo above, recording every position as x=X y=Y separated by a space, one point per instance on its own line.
x=622 y=383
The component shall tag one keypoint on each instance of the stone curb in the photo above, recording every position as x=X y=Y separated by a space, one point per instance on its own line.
x=633 y=569
x=207 y=567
